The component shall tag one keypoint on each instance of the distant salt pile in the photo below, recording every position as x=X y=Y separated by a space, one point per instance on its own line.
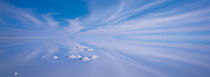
x=15 y=73
x=90 y=49
x=85 y=59
x=72 y=57
x=84 y=48
x=93 y=57
x=77 y=56
x=55 y=57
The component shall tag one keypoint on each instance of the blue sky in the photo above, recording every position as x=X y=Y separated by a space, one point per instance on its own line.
x=104 y=38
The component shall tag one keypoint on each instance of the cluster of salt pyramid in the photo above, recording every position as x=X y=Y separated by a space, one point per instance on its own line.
x=84 y=48
x=83 y=58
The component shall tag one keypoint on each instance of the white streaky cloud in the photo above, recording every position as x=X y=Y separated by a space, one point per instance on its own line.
x=93 y=57
x=85 y=59
x=72 y=57
x=196 y=16
x=129 y=13
x=90 y=49
x=120 y=11
x=78 y=56
x=52 y=23
x=19 y=14
x=32 y=18
x=55 y=57
x=73 y=26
